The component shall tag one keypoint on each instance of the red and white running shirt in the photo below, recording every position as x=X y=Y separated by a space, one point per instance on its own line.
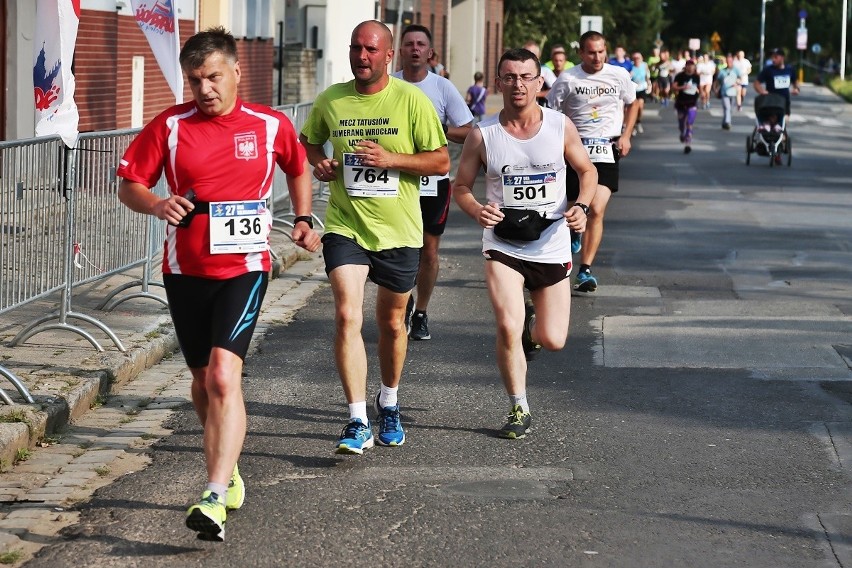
x=222 y=158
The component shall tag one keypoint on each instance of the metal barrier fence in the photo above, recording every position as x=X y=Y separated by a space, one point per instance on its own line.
x=61 y=225
x=282 y=207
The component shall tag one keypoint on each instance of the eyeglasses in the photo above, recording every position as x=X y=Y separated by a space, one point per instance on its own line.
x=514 y=79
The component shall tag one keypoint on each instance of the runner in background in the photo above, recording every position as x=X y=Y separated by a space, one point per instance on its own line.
x=456 y=118
x=599 y=99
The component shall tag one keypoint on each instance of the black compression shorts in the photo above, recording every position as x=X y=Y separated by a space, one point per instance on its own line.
x=211 y=313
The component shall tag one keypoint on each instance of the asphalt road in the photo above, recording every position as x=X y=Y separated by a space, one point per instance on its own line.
x=700 y=415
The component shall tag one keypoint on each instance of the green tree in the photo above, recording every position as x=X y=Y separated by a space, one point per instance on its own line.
x=546 y=22
x=632 y=24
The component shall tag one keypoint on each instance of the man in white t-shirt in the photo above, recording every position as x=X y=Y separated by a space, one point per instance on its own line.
x=743 y=65
x=546 y=73
x=415 y=49
x=591 y=95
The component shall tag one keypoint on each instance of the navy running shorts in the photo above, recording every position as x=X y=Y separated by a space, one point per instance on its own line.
x=394 y=269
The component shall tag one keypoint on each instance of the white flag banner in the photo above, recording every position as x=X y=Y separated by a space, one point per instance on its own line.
x=53 y=83
x=158 y=21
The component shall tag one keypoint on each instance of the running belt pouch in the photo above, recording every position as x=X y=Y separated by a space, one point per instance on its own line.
x=521 y=225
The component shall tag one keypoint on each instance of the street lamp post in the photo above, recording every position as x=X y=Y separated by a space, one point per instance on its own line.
x=760 y=55
x=843 y=43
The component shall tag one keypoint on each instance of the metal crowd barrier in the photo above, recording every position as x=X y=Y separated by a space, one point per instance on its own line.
x=107 y=240
x=282 y=207
x=36 y=251
x=61 y=225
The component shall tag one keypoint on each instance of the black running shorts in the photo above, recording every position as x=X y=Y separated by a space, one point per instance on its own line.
x=394 y=269
x=211 y=313
x=536 y=274
x=436 y=209
x=607 y=176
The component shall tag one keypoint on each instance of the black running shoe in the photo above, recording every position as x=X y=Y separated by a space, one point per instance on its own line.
x=419 y=326
x=409 y=309
x=517 y=424
x=531 y=348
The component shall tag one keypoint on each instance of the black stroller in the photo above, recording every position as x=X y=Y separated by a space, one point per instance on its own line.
x=769 y=137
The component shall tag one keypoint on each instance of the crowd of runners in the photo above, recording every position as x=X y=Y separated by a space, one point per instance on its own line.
x=550 y=163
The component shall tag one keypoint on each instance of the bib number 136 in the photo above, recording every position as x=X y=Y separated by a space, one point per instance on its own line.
x=238 y=227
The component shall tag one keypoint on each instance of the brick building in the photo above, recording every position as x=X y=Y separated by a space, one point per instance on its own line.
x=119 y=83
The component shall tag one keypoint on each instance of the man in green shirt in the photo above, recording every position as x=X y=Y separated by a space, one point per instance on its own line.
x=385 y=135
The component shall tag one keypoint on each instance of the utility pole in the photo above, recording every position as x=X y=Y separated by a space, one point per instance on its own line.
x=760 y=55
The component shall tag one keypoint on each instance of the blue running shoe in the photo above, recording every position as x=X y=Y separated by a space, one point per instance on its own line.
x=355 y=438
x=576 y=242
x=585 y=282
x=390 y=425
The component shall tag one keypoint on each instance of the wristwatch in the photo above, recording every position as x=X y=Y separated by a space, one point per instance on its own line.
x=582 y=206
x=306 y=218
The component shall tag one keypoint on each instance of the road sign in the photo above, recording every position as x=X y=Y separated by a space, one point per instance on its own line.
x=714 y=41
x=591 y=24
x=802 y=38
x=816 y=48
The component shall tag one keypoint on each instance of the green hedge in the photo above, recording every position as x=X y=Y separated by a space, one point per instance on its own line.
x=842 y=88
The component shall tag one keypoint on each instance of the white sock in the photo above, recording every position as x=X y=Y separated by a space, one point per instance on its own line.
x=358 y=410
x=520 y=399
x=387 y=396
x=219 y=489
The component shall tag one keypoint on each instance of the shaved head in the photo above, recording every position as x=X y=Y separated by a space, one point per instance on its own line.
x=376 y=27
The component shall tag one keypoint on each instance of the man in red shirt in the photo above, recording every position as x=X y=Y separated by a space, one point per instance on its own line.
x=218 y=154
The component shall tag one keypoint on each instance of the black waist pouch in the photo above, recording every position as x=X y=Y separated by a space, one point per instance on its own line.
x=521 y=225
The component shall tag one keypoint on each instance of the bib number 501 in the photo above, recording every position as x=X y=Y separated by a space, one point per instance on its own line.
x=529 y=193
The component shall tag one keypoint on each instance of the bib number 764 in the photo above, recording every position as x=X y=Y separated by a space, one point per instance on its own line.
x=369 y=175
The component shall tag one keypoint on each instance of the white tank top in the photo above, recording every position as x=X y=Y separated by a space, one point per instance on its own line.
x=529 y=174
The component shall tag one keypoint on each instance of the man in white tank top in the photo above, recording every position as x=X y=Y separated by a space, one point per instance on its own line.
x=524 y=150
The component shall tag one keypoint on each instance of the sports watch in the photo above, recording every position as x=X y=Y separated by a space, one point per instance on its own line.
x=582 y=206
x=306 y=218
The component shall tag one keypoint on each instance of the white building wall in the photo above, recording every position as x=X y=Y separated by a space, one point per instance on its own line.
x=467 y=42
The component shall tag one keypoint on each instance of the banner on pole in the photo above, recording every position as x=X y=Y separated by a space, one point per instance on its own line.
x=158 y=21
x=55 y=35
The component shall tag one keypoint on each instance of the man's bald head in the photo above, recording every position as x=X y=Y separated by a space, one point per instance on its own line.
x=376 y=27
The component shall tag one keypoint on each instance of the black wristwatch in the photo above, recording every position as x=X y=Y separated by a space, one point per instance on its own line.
x=306 y=218
x=582 y=206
